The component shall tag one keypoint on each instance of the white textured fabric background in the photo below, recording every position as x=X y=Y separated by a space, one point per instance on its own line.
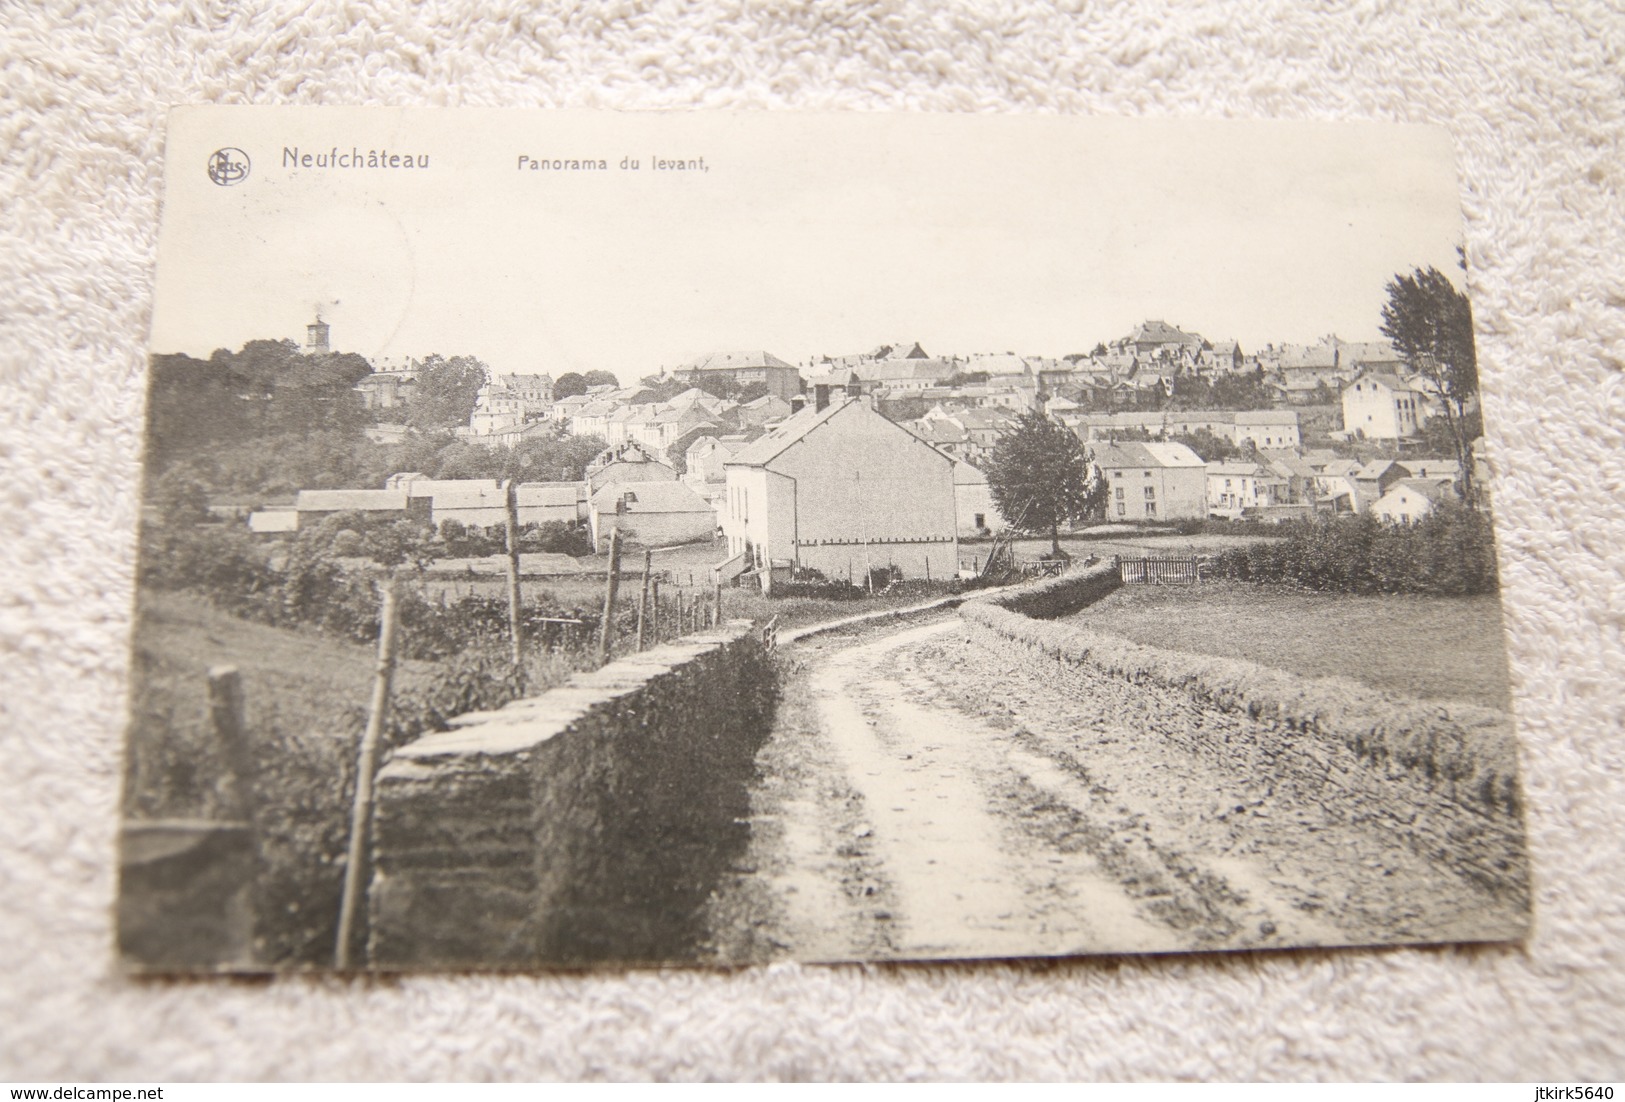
x=1535 y=99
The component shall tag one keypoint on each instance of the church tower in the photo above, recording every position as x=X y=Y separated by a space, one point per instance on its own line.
x=316 y=338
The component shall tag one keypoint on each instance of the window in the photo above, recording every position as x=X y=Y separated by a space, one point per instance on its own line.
x=1150 y=508
x=1119 y=493
x=1122 y=509
x=1150 y=492
x=981 y=520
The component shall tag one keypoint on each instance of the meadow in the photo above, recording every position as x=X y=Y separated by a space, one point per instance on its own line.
x=1434 y=648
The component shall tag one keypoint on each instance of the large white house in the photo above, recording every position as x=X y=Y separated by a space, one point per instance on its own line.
x=1378 y=406
x=840 y=489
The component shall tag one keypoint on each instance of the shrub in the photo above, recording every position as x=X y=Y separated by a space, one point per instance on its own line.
x=1450 y=553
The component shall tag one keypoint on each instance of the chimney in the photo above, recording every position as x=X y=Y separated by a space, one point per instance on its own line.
x=821 y=397
x=797 y=404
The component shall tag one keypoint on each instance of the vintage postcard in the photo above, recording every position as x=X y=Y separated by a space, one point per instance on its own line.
x=587 y=539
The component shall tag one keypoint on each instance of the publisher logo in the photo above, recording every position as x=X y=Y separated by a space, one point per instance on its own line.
x=228 y=166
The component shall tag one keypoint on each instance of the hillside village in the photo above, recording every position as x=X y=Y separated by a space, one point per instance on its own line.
x=878 y=458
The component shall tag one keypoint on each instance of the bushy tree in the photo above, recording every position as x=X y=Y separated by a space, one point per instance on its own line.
x=569 y=385
x=600 y=378
x=181 y=495
x=1042 y=477
x=447 y=391
x=1431 y=324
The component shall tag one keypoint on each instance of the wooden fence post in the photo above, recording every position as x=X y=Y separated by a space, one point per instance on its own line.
x=643 y=595
x=366 y=765
x=231 y=734
x=719 y=603
x=654 y=599
x=511 y=493
x=611 y=586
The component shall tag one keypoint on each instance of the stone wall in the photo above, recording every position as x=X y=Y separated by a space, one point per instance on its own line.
x=1443 y=776
x=1060 y=596
x=584 y=826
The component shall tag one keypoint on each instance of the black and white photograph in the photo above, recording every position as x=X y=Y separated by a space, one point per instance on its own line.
x=585 y=539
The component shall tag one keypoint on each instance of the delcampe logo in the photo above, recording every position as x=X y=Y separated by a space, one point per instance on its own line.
x=228 y=166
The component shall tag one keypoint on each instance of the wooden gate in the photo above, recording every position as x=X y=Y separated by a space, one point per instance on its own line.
x=1157 y=571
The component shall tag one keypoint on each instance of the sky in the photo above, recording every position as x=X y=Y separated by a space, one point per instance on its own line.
x=804 y=234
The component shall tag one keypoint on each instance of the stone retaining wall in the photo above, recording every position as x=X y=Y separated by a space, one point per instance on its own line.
x=1441 y=775
x=586 y=825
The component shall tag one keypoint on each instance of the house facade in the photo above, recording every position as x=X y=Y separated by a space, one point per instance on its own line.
x=840 y=489
x=1151 y=482
x=974 y=510
x=1234 y=488
x=1409 y=500
x=743 y=369
x=1381 y=407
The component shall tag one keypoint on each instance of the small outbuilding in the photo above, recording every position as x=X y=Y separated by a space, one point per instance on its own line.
x=650 y=514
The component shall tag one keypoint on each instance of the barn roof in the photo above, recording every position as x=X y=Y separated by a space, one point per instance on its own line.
x=650 y=497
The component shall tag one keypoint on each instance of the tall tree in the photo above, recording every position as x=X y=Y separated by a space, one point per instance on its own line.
x=1431 y=325
x=601 y=378
x=1041 y=478
x=447 y=390
x=569 y=385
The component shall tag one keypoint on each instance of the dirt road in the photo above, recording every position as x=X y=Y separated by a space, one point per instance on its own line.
x=924 y=797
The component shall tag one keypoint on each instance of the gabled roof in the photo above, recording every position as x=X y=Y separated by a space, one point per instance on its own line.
x=1341 y=468
x=629 y=452
x=552 y=493
x=1387 y=379
x=1372 y=352
x=1434 y=468
x=899 y=350
x=999 y=363
x=726 y=444
x=939 y=430
x=1266 y=417
x=418 y=486
x=649 y=497
x=1289 y=463
x=1432 y=489
x=733 y=361
x=984 y=418
x=904 y=370
x=1379 y=467
x=470 y=497
x=1160 y=332
x=1234 y=468
x=690 y=396
x=1133 y=453
x=764 y=449
x=1314 y=356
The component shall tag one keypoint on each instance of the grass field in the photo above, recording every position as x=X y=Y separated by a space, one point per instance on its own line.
x=1443 y=648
